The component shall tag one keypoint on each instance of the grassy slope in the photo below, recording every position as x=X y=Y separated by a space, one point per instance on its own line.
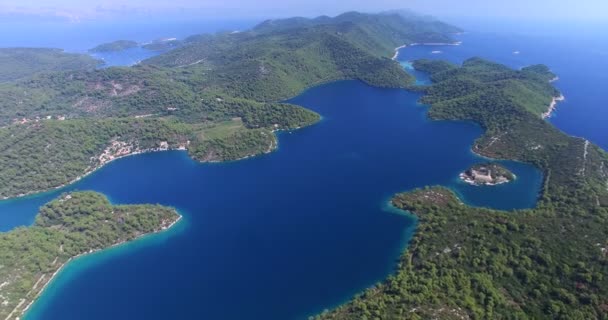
x=72 y=225
x=546 y=263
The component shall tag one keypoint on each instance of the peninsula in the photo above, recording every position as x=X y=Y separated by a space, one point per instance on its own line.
x=114 y=46
x=487 y=174
x=73 y=225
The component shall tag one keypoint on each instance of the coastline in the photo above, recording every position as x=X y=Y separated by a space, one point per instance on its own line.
x=553 y=106
x=397 y=51
x=396 y=55
x=62 y=266
x=456 y=43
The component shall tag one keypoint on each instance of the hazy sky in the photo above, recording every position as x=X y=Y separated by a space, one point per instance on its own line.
x=525 y=9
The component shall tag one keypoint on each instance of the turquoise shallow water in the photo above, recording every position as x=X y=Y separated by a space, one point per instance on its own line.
x=280 y=236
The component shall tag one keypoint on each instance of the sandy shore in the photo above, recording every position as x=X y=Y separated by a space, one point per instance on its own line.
x=553 y=106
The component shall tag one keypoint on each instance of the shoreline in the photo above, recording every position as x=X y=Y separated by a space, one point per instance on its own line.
x=455 y=43
x=89 y=171
x=396 y=55
x=397 y=51
x=62 y=266
x=553 y=106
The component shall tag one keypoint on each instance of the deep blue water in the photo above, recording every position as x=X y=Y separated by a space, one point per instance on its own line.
x=285 y=235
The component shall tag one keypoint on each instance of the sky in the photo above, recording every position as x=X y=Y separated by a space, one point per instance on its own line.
x=77 y=10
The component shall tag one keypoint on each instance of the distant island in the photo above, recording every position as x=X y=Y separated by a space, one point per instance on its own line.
x=115 y=46
x=73 y=225
x=487 y=174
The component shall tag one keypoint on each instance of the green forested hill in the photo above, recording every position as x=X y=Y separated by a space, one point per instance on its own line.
x=56 y=124
x=18 y=63
x=300 y=52
x=42 y=155
x=268 y=65
x=549 y=262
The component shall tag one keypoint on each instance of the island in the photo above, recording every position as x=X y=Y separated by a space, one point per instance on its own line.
x=476 y=263
x=114 y=46
x=73 y=225
x=487 y=174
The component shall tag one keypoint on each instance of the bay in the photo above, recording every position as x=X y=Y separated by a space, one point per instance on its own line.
x=280 y=236
x=288 y=234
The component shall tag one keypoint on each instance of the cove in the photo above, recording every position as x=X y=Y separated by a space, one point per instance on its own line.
x=280 y=236
x=127 y=57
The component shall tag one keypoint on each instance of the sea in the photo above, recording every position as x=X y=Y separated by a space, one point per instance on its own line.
x=289 y=234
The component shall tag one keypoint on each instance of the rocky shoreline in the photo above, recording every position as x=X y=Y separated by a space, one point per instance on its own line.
x=553 y=106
